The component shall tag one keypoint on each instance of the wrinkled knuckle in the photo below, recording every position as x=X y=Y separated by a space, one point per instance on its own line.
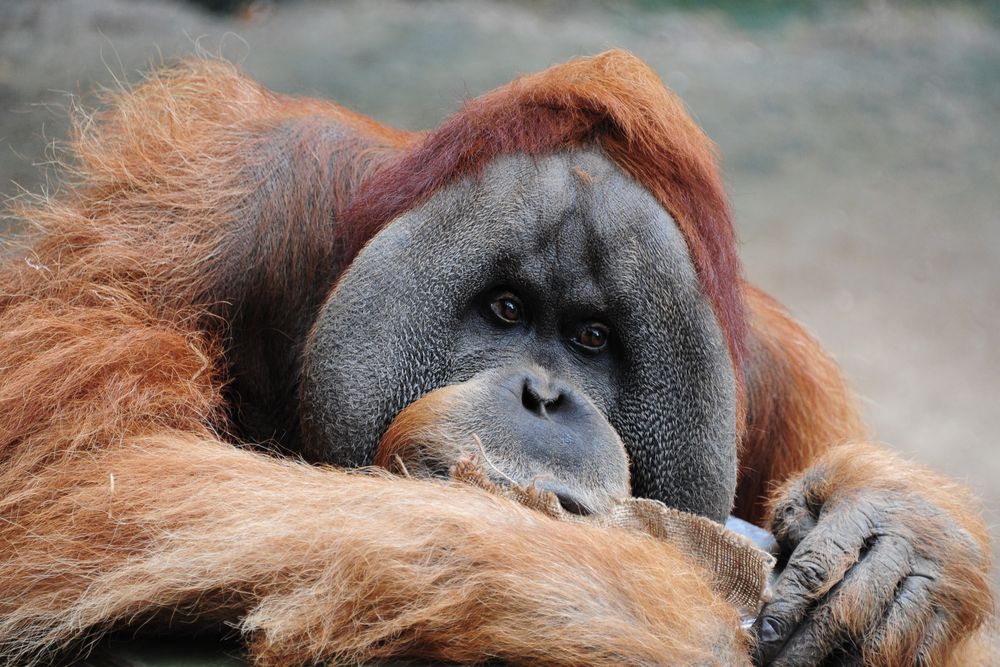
x=808 y=571
x=783 y=514
x=793 y=496
x=910 y=598
x=871 y=512
x=792 y=523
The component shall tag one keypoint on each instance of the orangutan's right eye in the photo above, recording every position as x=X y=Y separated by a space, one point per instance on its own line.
x=507 y=309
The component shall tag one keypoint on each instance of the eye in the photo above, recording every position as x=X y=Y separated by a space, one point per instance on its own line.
x=507 y=308
x=592 y=337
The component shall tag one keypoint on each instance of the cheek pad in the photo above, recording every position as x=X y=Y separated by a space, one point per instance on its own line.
x=382 y=339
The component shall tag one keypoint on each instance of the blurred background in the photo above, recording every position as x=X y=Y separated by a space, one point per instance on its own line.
x=860 y=144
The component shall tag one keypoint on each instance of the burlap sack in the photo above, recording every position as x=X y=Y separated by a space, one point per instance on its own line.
x=740 y=570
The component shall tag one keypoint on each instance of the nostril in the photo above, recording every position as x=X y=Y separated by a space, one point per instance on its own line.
x=530 y=399
x=541 y=399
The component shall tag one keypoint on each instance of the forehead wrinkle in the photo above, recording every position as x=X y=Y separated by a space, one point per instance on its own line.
x=581 y=252
x=626 y=216
x=570 y=273
x=612 y=223
x=549 y=212
x=502 y=205
x=560 y=229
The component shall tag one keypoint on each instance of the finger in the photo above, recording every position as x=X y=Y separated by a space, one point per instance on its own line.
x=873 y=584
x=911 y=624
x=816 y=565
x=812 y=643
x=794 y=517
x=851 y=607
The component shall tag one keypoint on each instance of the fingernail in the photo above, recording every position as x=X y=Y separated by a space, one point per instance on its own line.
x=769 y=630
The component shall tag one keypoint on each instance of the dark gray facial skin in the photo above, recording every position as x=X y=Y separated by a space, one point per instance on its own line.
x=523 y=426
x=577 y=241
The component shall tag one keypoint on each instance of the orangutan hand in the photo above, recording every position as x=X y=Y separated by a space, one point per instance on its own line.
x=883 y=566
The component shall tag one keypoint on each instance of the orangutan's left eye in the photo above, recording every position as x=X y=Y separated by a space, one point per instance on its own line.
x=592 y=337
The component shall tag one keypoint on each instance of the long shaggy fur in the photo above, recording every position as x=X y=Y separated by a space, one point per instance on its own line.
x=200 y=204
x=119 y=500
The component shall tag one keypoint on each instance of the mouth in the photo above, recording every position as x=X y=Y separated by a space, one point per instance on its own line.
x=571 y=501
x=573 y=454
x=436 y=455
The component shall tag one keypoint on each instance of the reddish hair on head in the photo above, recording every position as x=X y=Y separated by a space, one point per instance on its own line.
x=612 y=100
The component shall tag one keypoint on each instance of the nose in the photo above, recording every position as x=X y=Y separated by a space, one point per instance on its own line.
x=551 y=434
x=542 y=397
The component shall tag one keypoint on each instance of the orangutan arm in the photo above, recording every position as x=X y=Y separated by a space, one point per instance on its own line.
x=117 y=503
x=318 y=565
